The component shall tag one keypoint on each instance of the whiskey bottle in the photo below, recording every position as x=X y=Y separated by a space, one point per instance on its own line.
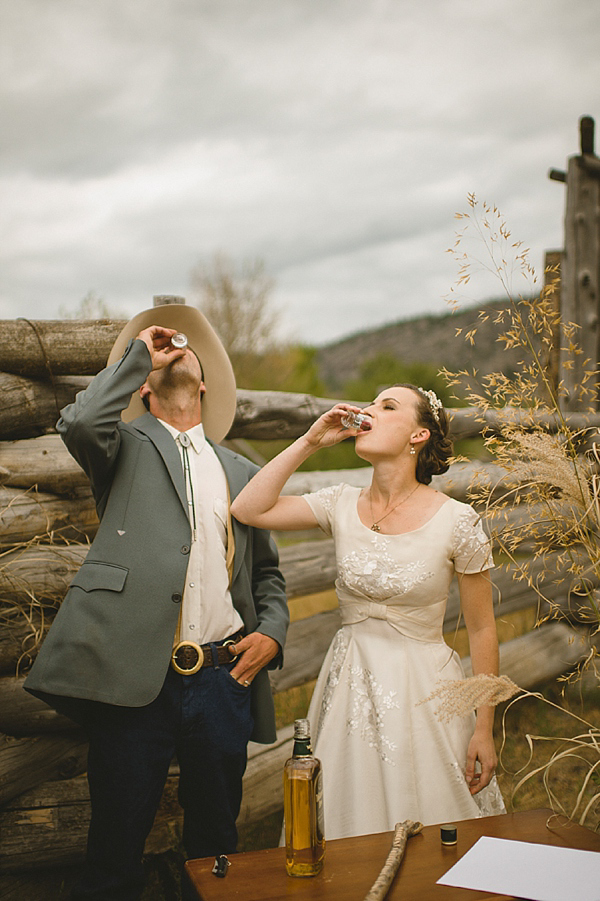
x=303 y=807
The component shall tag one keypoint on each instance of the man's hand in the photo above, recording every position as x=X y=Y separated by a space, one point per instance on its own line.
x=255 y=650
x=158 y=341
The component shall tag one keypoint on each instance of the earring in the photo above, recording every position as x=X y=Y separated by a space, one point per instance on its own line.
x=412 y=450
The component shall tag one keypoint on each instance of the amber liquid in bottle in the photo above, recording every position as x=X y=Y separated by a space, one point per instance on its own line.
x=303 y=807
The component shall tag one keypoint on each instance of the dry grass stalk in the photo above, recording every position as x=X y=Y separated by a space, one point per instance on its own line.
x=458 y=697
x=581 y=751
x=20 y=604
x=557 y=474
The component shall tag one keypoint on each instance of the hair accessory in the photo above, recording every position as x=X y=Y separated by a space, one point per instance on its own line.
x=434 y=402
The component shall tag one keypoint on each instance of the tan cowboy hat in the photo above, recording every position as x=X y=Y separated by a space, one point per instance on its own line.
x=218 y=404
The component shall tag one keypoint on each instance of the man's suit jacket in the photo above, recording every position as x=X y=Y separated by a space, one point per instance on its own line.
x=112 y=638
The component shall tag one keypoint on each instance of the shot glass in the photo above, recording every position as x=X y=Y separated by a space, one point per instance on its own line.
x=361 y=421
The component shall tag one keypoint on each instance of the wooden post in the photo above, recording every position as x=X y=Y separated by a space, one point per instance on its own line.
x=552 y=279
x=161 y=300
x=581 y=274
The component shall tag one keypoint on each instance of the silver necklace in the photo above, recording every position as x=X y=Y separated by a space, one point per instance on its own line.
x=375 y=526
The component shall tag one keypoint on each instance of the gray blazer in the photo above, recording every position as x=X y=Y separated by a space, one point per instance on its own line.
x=112 y=638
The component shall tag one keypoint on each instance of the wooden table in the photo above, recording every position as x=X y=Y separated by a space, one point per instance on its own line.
x=353 y=864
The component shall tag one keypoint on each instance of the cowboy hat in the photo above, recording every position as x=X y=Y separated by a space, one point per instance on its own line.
x=218 y=404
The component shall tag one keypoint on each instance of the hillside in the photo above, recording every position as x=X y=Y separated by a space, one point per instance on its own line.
x=423 y=339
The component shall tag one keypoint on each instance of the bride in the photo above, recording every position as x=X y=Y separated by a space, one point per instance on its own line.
x=386 y=757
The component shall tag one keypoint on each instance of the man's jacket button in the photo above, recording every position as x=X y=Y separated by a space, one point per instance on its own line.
x=176 y=598
x=185 y=549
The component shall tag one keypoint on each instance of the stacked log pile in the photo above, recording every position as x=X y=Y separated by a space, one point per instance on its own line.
x=47 y=519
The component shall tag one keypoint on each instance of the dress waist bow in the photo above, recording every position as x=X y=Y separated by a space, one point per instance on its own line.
x=420 y=623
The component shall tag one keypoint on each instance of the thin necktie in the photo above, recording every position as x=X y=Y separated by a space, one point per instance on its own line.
x=185 y=442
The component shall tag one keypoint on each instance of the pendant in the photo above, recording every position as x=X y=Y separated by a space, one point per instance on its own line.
x=375 y=528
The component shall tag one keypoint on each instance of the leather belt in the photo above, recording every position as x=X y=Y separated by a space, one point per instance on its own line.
x=188 y=657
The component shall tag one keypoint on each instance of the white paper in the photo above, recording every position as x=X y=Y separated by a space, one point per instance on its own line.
x=527 y=870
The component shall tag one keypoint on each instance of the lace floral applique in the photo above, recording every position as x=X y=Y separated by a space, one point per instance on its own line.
x=369 y=704
x=457 y=774
x=328 y=497
x=375 y=572
x=489 y=800
x=323 y=504
x=471 y=546
x=369 y=707
x=339 y=650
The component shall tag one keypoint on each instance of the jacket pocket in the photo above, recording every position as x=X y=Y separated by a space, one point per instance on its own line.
x=104 y=576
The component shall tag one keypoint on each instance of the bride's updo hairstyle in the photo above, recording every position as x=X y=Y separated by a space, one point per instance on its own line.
x=434 y=455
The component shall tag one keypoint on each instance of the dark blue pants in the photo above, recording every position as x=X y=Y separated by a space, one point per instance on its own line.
x=205 y=720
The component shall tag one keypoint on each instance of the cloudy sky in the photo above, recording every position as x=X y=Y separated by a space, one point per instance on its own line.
x=334 y=139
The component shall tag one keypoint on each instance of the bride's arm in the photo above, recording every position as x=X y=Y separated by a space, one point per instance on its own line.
x=477 y=605
x=260 y=502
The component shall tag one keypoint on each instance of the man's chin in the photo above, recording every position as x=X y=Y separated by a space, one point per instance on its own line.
x=176 y=376
x=181 y=364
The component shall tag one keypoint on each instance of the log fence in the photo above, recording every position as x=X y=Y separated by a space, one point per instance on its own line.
x=47 y=519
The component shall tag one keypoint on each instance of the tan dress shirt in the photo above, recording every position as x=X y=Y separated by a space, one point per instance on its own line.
x=207 y=612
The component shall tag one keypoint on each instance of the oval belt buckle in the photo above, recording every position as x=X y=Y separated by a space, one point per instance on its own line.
x=187 y=658
x=228 y=644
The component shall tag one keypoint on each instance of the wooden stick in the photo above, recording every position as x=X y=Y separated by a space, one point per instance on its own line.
x=402 y=833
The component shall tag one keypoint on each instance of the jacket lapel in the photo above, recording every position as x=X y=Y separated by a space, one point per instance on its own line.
x=163 y=441
x=235 y=472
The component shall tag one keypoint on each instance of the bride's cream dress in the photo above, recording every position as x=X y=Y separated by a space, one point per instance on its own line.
x=387 y=758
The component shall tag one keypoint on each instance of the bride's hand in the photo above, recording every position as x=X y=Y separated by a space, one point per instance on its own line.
x=482 y=750
x=328 y=430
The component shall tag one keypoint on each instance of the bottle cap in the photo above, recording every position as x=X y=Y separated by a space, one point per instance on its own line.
x=179 y=340
x=301 y=729
x=448 y=834
x=221 y=865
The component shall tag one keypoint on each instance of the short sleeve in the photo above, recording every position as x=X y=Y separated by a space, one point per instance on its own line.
x=323 y=503
x=471 y=547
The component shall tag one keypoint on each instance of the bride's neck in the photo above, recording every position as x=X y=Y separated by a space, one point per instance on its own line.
x=391 y=481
